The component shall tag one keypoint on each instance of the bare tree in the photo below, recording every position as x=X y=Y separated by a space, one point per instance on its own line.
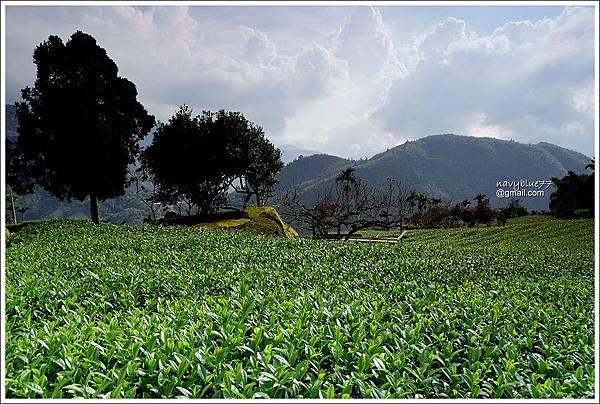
x=146 y=190
x=316 y=219
x=396 y=206
x=356 y=207
x=352 y=205
x=365 y=207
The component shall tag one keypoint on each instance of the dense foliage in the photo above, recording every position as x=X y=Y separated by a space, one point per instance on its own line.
x=574 y=195
x=79 y=125
x=195 y=160
x=142 y=311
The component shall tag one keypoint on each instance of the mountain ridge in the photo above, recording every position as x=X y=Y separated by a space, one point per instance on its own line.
x=447 y=166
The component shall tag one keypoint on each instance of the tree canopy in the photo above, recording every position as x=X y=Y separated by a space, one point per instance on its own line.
x=574 y=195
x=195 y=160
x=80 y=124
x=261 y=173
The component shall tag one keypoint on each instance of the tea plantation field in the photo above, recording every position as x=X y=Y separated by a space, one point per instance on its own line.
x=142 y=311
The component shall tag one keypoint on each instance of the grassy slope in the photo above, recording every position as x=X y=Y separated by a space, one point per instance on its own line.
x=529 y=219
x=557 y=234
x=441 y=233
x=126 y=311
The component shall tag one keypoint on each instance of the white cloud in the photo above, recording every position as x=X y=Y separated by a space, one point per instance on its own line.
x=353 y=92
x=528 y=81
x=480 y=128
x=583 y=99
x=340 y=121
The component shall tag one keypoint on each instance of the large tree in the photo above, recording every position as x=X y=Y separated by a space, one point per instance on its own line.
x=574 y=195
x=197 y=159
x=80 y=124
x=260 y=176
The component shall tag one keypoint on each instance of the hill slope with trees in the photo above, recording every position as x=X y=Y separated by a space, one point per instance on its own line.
x=449 y=167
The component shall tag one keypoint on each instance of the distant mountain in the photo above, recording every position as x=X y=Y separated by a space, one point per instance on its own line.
x=306 y=170
x=11 y=122
x=450 y=167
x=11 y=117
x=290 y=153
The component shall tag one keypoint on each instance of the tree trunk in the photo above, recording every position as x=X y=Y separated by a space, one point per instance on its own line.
x=148 y=202
x=351 y=233
x=205 y=208
x=13 y=207
x=94 y=208
x=258 y=201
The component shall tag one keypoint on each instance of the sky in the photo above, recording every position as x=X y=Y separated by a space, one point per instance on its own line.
x=345 y=80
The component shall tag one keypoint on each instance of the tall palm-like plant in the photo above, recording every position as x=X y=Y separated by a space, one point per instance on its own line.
x=480 y=198
x=346 y=177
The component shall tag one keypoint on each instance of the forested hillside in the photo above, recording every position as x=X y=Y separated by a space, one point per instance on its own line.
x=450 y=167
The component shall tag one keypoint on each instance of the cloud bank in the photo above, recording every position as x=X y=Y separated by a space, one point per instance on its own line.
x=347 y=87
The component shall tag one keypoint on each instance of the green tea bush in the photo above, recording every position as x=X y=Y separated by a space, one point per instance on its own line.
x=143 y=311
